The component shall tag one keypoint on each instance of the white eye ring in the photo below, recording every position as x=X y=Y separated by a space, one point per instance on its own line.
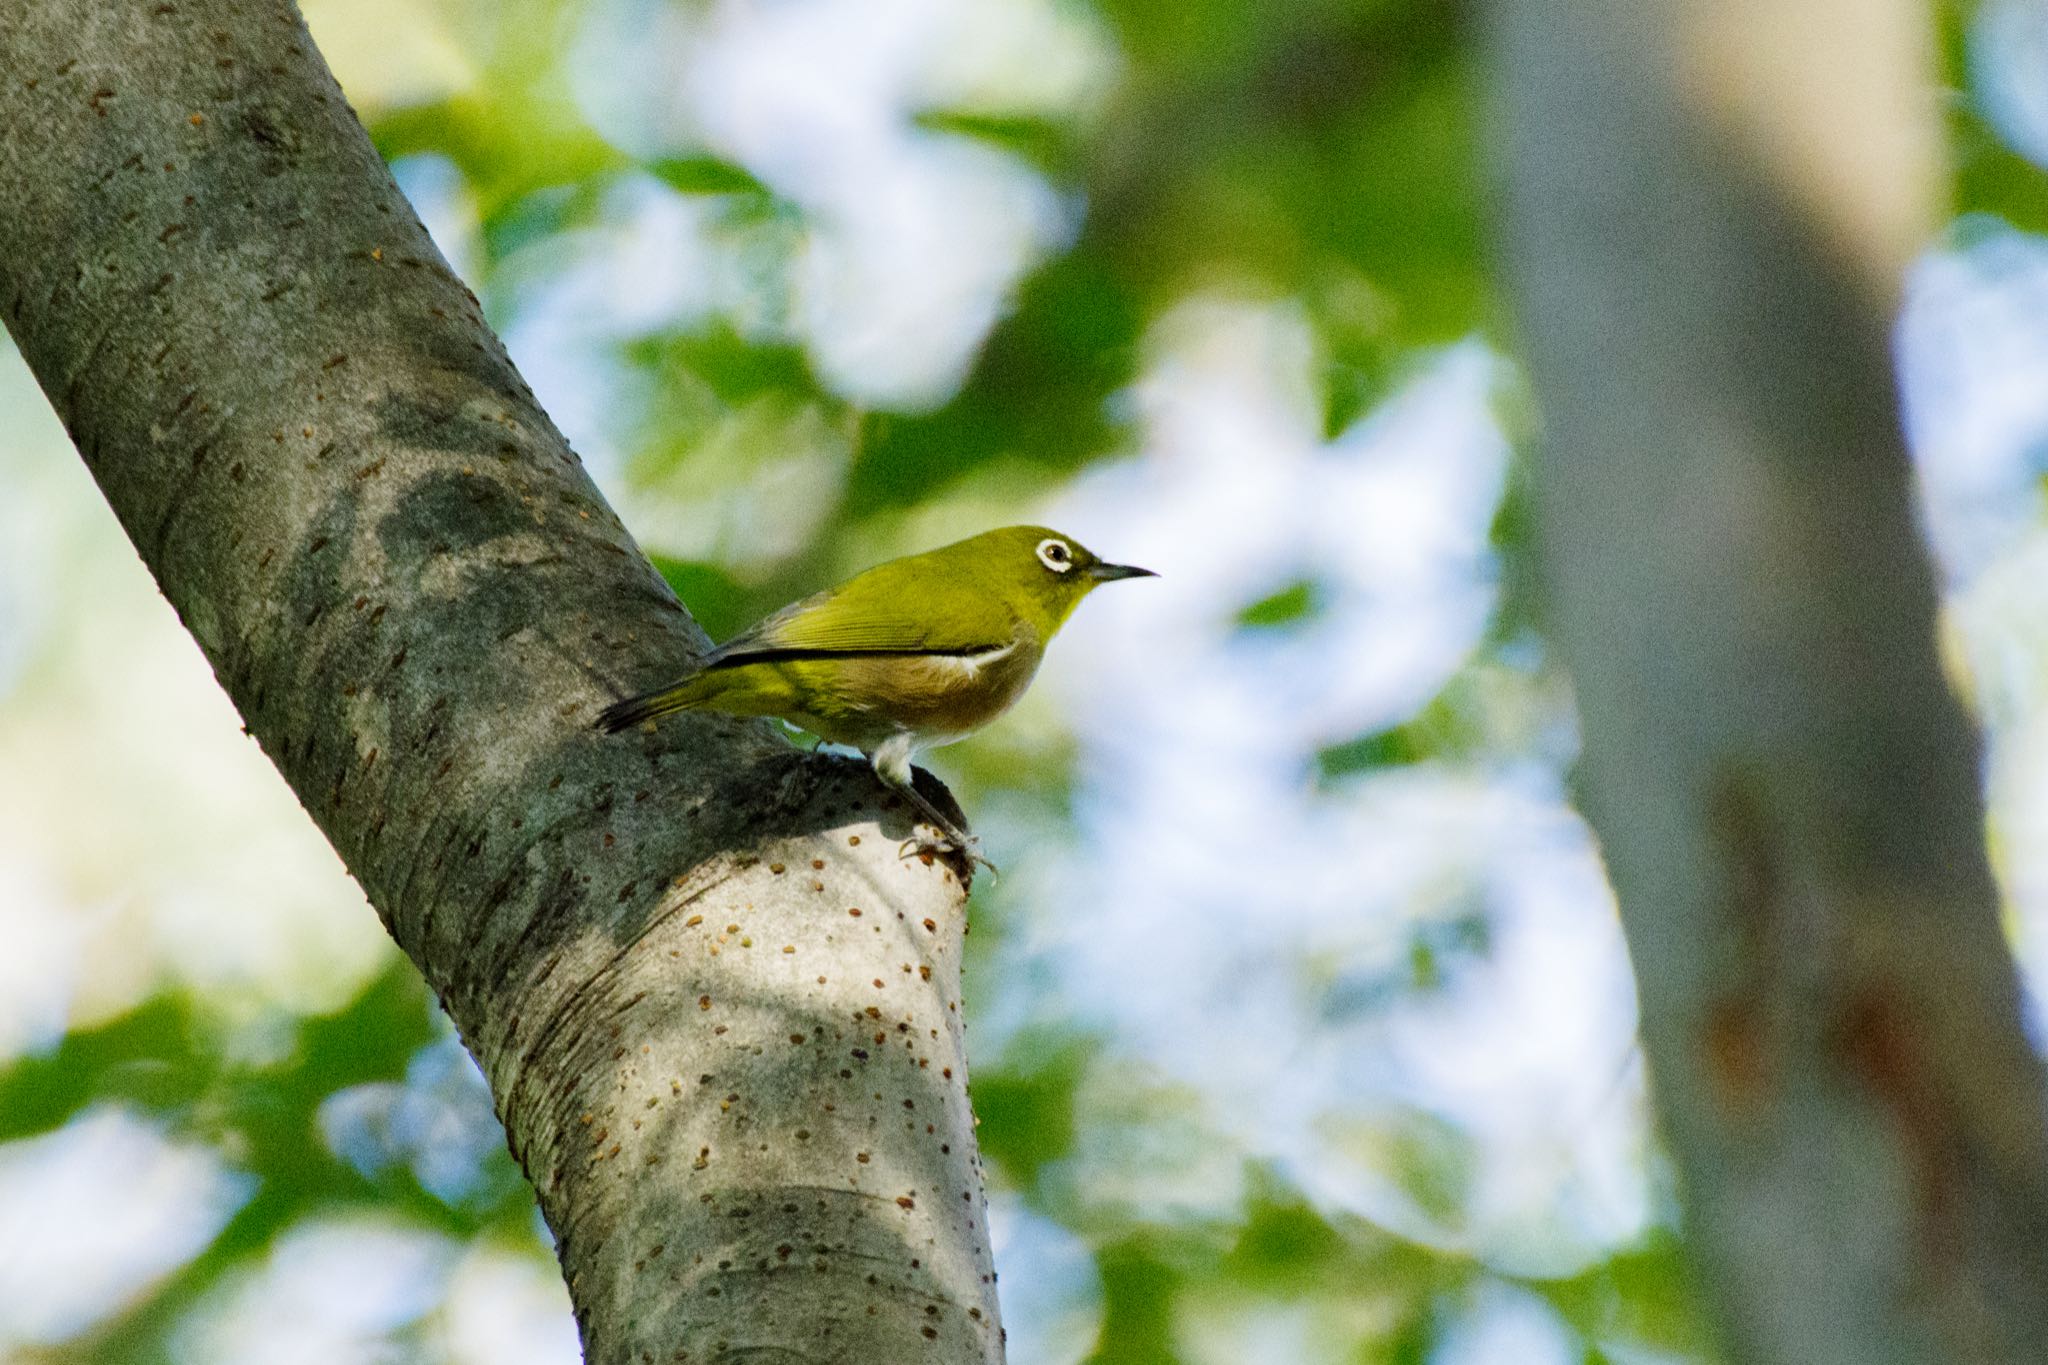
x=1055 y=555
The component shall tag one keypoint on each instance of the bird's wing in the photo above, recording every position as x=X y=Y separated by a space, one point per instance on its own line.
x=870 y=614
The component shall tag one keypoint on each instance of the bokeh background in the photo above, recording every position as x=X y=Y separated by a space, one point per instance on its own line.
x=1301 y=1024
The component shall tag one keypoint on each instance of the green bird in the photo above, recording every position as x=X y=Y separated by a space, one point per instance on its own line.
x=913 y=653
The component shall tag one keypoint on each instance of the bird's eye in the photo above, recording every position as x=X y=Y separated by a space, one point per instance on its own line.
x=1055 y=555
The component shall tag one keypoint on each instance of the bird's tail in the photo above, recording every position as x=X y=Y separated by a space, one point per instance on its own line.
x=624 y=715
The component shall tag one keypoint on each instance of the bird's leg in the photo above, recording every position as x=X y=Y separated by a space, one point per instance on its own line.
x=892 y=764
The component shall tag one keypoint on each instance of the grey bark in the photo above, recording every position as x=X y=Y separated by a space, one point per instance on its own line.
x=1786 y=791
x=720 y=1017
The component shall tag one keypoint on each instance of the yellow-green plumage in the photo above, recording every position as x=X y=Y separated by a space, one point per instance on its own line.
x=913 y=653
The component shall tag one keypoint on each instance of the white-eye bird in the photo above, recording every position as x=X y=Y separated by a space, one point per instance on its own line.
x=913 y=653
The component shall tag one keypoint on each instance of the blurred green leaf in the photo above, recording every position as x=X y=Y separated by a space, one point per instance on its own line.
x=1415 y=1342
x=706 y=175
x=537 y=216
x=1380 y=749
x=150 y=1057
x=1989 y=176
x=1434 y=1160
x=717 y=601
x=1047 y=145
x=1993 y=179
x=1445 y=728
x=506 y=147
x=1639 y=1296
x=731 y=368
x=1025 y=1101
x=1138 y=1289
x=1295 y=602
x=1284 y=1242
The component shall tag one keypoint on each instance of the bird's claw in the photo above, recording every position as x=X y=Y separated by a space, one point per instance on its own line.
x=928 y=846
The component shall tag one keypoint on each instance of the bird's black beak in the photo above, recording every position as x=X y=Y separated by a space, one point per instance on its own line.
x=1109 y=573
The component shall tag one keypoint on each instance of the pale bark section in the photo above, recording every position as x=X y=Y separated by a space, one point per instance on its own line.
x=1786 y=792
x=1854 y=141
x=720 y=1017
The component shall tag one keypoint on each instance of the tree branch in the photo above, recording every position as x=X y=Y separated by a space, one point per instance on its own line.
x=1786 y=791
x=719 y=1016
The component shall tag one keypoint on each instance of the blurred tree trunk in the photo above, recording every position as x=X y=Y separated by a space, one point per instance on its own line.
x=719 y=1016
x=1708 y=207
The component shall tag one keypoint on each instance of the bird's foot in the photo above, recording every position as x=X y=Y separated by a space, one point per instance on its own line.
x=929 y=845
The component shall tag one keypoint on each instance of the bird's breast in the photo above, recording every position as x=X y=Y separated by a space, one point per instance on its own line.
x=944 y=695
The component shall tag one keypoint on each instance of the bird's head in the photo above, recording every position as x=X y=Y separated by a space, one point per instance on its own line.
x=1046 y=572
